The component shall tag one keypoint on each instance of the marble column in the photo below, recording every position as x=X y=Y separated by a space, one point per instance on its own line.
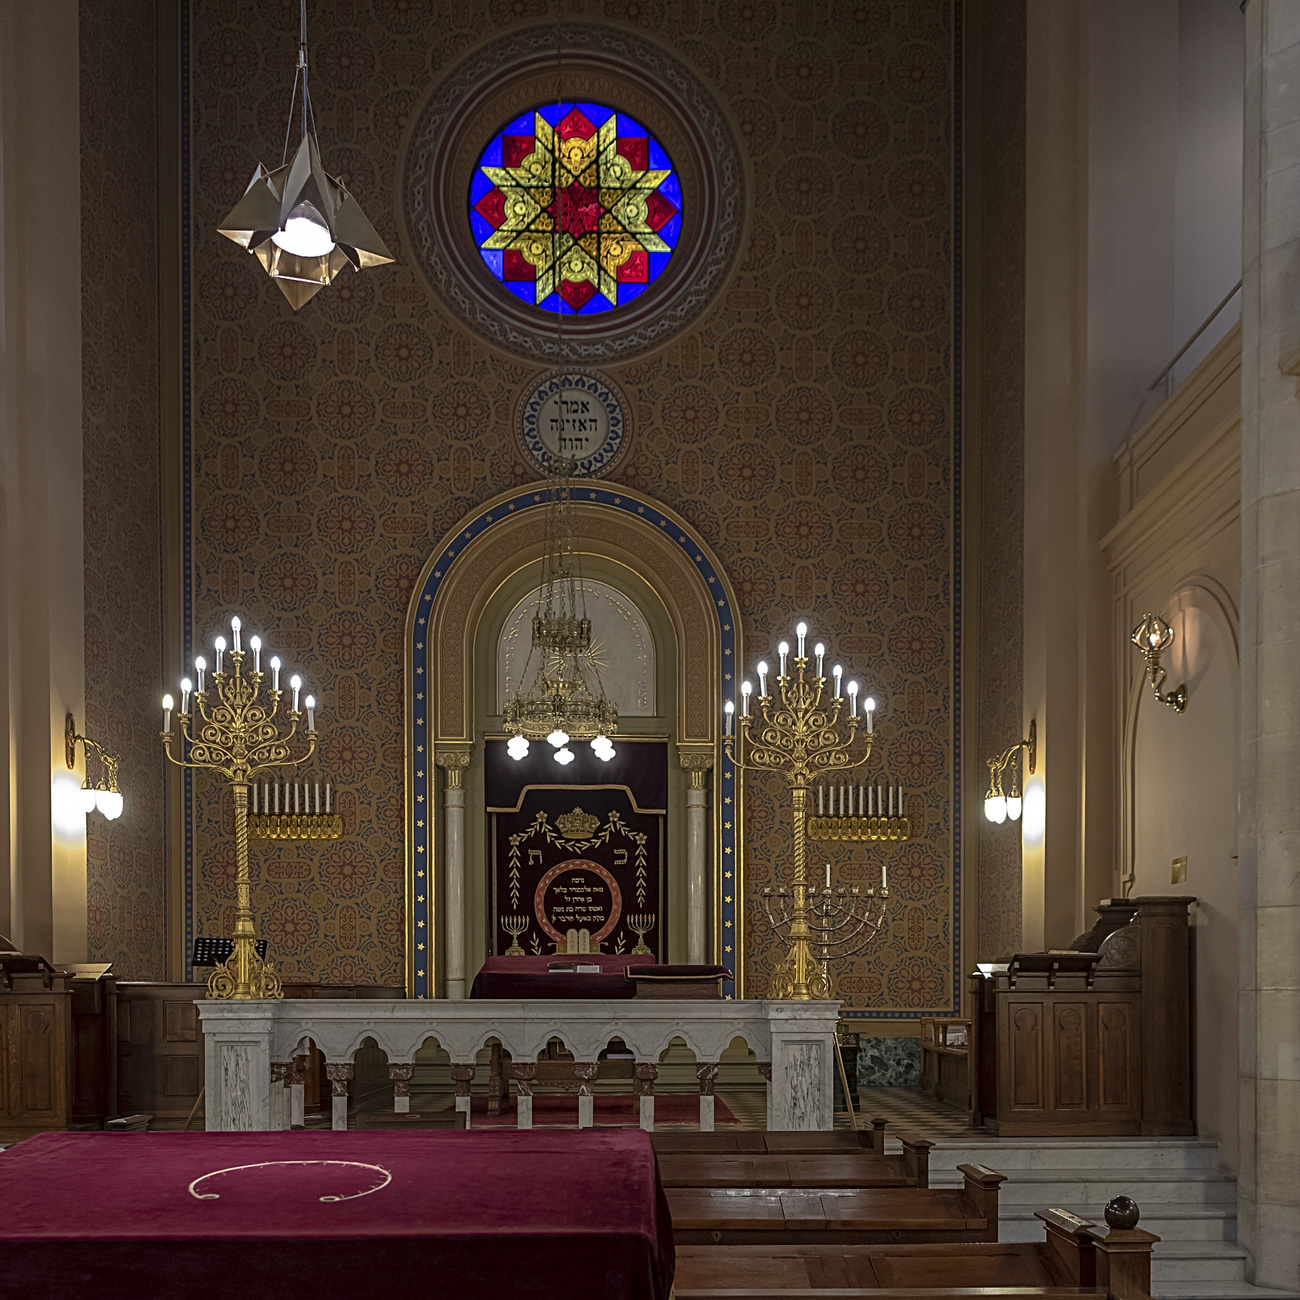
x=707 y=1073
x=586 y=1075
x=338 y=1075
x=279 y=1095
x=297 y=1082
x=454 y=763
x=646 y=1072
x=400 y=1073
x=1269 y=827
x=697 y=901
x=523 y=1073
x=462 y=1074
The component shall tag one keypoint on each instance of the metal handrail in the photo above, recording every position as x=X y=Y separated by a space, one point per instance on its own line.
x=1205 y=324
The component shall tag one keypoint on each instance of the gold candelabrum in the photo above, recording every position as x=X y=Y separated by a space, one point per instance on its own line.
x=802 y=732
x=234 y=730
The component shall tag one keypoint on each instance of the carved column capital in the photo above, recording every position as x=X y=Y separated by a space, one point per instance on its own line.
x=280 y=1072
x=463 y=1074
x=644 y=1075
x=338 y=1075
x=453 y=762
x=298 y=1070
x=401 y=1072
x=697 y=762
x=523 y=1073
x=585 y=1073
x=706 y=1072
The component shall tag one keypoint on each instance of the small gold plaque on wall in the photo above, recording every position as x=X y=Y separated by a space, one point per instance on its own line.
x=1178 y=876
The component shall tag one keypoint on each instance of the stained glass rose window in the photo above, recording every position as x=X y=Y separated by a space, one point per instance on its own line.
x=575 y=208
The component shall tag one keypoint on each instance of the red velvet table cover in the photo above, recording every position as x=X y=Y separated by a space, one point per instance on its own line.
x=369 y=1214
x=531 y=977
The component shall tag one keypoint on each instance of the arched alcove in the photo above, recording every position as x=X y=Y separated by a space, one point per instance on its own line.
x=470 y=586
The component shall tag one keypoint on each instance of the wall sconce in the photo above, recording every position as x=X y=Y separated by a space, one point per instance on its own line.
x=999 y=804
x=104 y=794
x=1153 y=636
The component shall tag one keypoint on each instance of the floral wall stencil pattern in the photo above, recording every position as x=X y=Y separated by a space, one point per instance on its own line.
x=804 y=425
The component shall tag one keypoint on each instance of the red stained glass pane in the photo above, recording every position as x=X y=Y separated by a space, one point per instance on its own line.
x=576 y=124
x=636 y=149
x=636 y=270
x=518 y=267
x=492 y=208
x=658 y=211
x=576 y=295
x=515 y=148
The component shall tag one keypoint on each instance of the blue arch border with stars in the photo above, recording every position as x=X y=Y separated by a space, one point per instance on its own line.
x=421 y=810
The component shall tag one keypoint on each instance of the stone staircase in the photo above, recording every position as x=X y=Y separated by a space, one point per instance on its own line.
x=1184 y=1197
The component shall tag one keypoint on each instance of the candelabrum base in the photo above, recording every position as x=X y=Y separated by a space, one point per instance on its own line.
x=295 y=826
x=244 y=976
x=785 y=982
x=859 y=828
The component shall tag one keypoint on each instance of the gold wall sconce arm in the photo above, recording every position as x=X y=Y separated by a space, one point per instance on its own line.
x=1153 y=636
x=103 y=793
x=999 y=804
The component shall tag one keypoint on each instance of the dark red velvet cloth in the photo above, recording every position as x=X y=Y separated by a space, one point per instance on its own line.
x=531 y=977
x=678 y=973
x=362 y=1215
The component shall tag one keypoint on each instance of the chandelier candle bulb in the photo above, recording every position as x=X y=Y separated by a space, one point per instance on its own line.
x=295 y=682
x=235 y=625
x=200 y=667
x=762 y=679
x=801 y=632
x=853 y=699
x=167 y=703
x=745 y=690
x=838 y=674
x=783 y=650
x=869 y=705
x=186 y=687
x=255 y=643
x=311 y=713
x=220 y=643
x=820 y=651
x=275 y=674
x=728 y=709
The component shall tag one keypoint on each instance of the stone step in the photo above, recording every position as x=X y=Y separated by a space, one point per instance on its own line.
x=1218 y=1291
x=1171 y=1223
x=1197 y=1262
x=1045 y=1187
x=1049 y=1153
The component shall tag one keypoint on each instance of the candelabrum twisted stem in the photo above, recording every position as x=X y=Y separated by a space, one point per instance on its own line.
x=800 y=734
x=233 y=733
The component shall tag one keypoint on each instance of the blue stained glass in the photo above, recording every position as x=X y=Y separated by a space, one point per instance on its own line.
x=526 y=228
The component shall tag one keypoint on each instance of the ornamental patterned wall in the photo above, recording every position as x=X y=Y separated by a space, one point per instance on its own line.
x=804 y=426
x=119 y=350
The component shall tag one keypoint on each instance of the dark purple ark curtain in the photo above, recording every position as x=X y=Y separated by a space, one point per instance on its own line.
x=577 y=848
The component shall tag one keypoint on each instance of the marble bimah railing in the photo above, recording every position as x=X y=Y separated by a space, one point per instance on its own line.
x=256 y=1051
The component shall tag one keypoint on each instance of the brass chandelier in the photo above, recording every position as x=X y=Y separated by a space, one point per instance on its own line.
x=565 y=700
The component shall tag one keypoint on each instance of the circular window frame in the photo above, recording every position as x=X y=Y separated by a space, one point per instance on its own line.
x=507 y=77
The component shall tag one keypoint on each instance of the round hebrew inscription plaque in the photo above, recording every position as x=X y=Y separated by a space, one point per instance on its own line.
x=575 y=415
x=577 y=895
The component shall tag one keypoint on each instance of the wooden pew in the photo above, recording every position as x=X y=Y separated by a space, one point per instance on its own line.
x=780 y=1216
x=1074 y=1260
x=831 y=1159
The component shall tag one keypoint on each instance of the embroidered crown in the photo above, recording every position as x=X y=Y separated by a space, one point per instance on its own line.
x=577 y=825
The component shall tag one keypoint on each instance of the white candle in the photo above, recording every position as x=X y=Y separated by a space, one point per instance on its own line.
x=821 y=807
x=828 y=875
x=327 y=796
x=318 y=798
x=200 y=667
x=801 y=632
x=901 y=811
x=745 y=690
x=297 y=793
x=891 y=800
x=220 y=643
x=762 y=679
x=168 y=704
x=853 y=699
x=266 y=797
x=311 y=713
x=256 y=643
x=842 y=801
x=880 y=801
x=870 y=802
x=296 y=683
x=277 y=798
x=838 y=673
x=820 y=651
x=235 y=625
x=728 y=709
x=862 y=801
x=882 y=874
x=186 y=687
x=275 y=672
